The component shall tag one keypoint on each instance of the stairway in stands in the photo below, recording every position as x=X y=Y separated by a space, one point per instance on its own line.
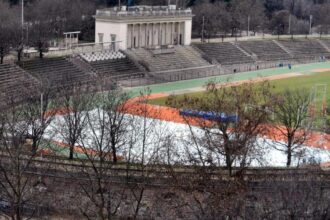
x=225 y=53
x=325 y=44
x=304 y=49
x=265 y=50
x=113 y=65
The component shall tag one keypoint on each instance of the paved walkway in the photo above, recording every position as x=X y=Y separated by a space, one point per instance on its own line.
x=193 y=85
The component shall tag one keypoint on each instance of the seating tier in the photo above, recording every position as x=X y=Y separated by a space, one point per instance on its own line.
x=182 y=57
x=304 y=48
x=265 y=50
x=225 y=53
x=56 y=72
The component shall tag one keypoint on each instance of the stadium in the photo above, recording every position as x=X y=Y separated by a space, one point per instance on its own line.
x=146 y=107
x=155 y=51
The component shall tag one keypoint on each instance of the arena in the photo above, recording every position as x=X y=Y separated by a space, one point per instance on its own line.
x=151 y=47
x=147 y=113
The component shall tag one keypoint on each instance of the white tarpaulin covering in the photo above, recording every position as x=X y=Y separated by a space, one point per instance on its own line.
x=169 y=142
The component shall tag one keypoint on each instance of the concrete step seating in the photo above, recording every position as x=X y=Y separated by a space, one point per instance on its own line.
x=264 y=50
x=326 y=42
x=15 y=83
x=56 y=72
x=182 y=58
x=225 y=53
x=104 y=55
x=117 y=69
x=305 y=48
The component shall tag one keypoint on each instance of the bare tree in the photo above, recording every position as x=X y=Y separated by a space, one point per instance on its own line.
x=144 y=149
x=213 y=19
x=5 y=30
x=75 y=102
x=39 y=111
x=303 y=196
x=104 y=137
x=279 y=23
x=12 y=26
x=20 y=193
x=249 y=14
x=291 y=114
x=235 y=138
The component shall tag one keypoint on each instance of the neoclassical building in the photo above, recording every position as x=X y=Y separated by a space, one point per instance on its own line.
x=143 y=26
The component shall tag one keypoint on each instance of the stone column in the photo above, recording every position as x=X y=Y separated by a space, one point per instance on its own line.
x=160 y=34
x=145 y=34
x=140 y=38
x=152 y=34
x=172 y=33
x=132 y=36
x=179 y=31
x=166 y=32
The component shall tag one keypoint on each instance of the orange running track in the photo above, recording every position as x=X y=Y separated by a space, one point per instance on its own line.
x=136 y=107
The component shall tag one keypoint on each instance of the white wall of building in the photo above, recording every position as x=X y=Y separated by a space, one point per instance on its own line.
x=160 y=33
x=109 y=28
x=187 y=32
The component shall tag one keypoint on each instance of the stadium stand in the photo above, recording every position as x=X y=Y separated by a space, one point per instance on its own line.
x=15 y=84
x=182 y=57
x=265 y=50
x=305 y=48
x=117 y=69
x=325 y=43
x=225 y=53
x=103 y=55
x=56 y=72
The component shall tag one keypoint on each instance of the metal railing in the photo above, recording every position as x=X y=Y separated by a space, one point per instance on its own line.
x=147 y=13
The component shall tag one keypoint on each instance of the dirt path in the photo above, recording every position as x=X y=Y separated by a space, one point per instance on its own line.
x=260 y=79
x=321 y=70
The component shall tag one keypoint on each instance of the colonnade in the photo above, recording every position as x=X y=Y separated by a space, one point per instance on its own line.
x=155 y=34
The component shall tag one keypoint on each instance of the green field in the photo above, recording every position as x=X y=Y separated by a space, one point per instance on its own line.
x=306 y=81
x=188 y=86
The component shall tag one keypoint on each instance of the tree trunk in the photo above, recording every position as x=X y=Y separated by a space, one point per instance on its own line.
x=289 y=156
x=34 y=147
x=2 y=55
x=138 y=204
x=19 y=54
x=114 y=152
x=228 y=162
x=71 y=152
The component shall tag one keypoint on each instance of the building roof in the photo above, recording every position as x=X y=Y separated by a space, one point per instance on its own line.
x=143 y=13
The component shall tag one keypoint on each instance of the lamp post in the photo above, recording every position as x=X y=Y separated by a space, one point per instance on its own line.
x=203 y=27
x=289 y=32
x=310 y=24
x=22 y=19
x=22 y=14
x=248 y=33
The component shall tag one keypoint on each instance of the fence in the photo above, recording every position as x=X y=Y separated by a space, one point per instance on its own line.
x=208 y=71
x=261 y=37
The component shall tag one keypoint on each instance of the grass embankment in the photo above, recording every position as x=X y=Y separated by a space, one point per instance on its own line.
x=306 y=82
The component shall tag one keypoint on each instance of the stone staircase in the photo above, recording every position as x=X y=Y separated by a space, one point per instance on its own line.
x=283 y=48
x=183 y=57
x=323 y=45
x=241 y=49
x=83 y=66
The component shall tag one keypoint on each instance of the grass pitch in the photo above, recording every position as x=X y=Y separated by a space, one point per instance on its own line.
x=306 y=81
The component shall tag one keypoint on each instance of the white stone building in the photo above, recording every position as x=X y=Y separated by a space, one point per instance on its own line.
x=143 y=26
